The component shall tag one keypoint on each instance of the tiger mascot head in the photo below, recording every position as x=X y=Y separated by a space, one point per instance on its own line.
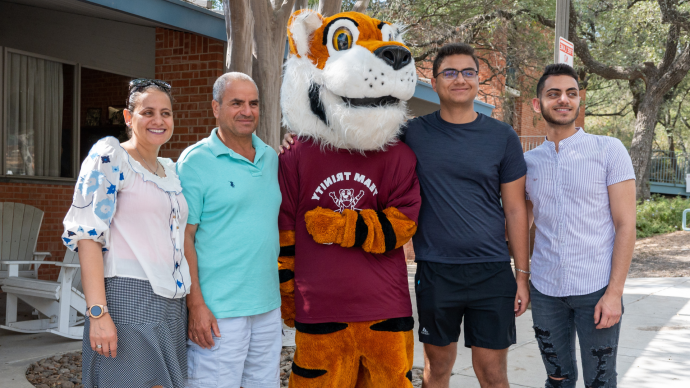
x=347 y=80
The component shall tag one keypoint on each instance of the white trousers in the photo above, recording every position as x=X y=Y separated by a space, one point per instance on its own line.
x=247 y=354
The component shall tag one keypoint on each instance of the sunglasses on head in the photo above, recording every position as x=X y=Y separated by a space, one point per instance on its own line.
x=140 y=83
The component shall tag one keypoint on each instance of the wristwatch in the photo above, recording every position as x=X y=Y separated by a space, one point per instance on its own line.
x=96 y=311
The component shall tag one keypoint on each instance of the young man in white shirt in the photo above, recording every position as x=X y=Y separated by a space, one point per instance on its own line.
x=581 y=196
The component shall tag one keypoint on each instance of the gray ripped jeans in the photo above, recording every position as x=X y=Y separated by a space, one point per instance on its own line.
x=556 y=320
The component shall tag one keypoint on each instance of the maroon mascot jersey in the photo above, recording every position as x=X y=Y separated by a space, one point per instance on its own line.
x=333 y=283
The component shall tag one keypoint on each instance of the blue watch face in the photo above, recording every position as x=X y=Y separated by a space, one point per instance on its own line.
x=96 y=311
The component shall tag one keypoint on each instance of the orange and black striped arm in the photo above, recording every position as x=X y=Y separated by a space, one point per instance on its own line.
x=374 y=231
x=286 y=274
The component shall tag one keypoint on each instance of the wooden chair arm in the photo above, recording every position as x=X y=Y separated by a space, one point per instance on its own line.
x=68 y=265
x=13 y=265
x=24 y=262
x=42 y=254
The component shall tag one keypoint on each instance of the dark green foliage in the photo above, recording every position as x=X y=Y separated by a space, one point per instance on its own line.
x=660 y=215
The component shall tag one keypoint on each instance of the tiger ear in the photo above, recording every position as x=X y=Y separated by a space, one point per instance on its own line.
x=301 y=26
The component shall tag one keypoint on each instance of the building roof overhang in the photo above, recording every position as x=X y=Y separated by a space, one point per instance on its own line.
x=174 y=14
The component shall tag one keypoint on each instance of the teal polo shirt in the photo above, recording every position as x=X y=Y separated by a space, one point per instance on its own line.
x=235 y=203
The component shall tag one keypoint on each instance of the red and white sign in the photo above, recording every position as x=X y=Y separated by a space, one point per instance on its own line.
x=566 y=51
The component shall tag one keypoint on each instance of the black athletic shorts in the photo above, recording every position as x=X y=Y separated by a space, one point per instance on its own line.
x=484 y=293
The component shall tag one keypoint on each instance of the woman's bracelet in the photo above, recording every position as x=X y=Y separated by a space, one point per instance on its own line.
x=523 y=271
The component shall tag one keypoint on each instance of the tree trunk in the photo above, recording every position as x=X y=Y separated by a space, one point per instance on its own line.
x=361 y=6
x=648 y=175
x=641 y=147
x=301 y=4
x=329 y=7
x=270 y=32
x=239 y=24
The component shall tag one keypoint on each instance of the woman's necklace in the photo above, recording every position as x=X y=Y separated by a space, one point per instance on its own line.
x=146 y=163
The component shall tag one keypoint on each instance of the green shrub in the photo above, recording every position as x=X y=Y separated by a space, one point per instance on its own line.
x=660 y=215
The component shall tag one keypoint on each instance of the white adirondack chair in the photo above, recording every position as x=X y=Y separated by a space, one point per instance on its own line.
x=19 y=227
x=61 y=305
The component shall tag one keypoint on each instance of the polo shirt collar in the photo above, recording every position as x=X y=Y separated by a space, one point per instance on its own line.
x=218 y=148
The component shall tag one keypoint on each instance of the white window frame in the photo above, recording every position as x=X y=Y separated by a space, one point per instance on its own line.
x=76 y=111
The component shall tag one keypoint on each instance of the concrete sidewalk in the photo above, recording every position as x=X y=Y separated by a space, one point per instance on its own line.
x=654 y=348
x=18 y=351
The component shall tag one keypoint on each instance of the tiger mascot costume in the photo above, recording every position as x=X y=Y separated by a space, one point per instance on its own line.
x=350 y=201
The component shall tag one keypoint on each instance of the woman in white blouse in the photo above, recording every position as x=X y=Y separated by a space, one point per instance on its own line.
x=125 y=223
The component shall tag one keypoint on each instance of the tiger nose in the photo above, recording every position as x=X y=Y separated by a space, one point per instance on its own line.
x=395 y=56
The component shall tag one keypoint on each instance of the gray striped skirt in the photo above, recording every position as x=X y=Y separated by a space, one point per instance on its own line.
x=151 y=339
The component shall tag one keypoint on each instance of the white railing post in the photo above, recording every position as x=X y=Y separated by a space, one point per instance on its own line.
x=530 y=142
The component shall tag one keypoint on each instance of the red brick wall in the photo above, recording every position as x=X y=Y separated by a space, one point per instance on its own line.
x=191 y=64
x=54 y=200
x=493 y=88
x=526 y=121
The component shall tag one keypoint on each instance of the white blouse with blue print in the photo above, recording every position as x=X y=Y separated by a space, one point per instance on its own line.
x=138 y=218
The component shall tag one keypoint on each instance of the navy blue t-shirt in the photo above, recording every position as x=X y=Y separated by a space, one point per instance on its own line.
x=460 y=168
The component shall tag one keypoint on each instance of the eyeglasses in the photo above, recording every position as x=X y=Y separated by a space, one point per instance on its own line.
x=141 y=83
x=453 y=73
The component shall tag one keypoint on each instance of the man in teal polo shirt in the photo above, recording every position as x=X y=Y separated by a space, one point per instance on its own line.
x=230 y=182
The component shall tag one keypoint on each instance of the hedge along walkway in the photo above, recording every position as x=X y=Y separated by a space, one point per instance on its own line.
x=665 y=255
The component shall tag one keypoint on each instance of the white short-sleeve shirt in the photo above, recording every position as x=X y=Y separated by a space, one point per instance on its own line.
x=573 y=245
x=137 y=216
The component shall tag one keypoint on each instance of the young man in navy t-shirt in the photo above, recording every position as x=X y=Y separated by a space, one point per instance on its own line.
x=467 y=164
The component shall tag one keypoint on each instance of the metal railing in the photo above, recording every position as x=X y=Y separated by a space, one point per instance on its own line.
x=666 y=169
x=531 y=142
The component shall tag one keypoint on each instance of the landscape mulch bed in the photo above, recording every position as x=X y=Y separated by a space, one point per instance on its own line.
x=666 y=255
x=64 y=371
x=59 y=371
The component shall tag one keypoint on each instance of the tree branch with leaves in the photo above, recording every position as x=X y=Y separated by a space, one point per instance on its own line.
x=648 y=82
